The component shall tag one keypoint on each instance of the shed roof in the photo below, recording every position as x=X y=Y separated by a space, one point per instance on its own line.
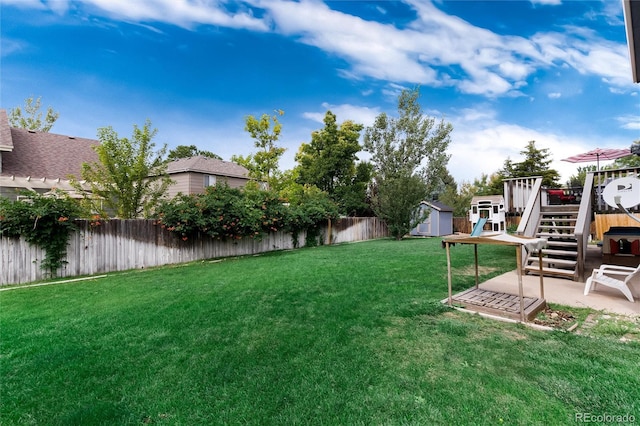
x=436 y=205
x=207 y=165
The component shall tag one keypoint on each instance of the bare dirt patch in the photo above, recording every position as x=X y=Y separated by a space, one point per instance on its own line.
x=471 y=270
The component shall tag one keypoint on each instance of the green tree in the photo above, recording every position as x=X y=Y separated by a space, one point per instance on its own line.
x=263 y=165
x=458 y=198
x=130 y=176
x=631 y=160
x=409 y=157
x=31 y=117
x=329 y=162
x=536 y=163
x=579 y=179
x=187 y=151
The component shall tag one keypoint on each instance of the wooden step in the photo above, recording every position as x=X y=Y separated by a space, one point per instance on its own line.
x=560 y=209
x=559 y=214
x=569 y=253
x=555 y=235
x=548 y=218
x=548 y=260
x=565 y=273
x=556 y=243
x=557 y=227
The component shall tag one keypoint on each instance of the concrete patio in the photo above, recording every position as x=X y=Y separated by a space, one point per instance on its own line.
x=565 y=292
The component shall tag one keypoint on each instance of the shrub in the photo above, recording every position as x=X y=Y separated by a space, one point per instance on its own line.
x=223 y=213
x=229 y=213
x=43 y=220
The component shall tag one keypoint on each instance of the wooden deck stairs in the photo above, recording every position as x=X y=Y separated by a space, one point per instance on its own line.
x=559 y=258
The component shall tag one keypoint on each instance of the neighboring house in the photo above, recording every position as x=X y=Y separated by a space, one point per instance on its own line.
x=192 y=175
x=39 y=161
x=438 y=223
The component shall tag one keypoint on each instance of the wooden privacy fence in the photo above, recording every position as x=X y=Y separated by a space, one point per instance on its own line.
x=463 y=225
x=605 y=221
x=118 y=245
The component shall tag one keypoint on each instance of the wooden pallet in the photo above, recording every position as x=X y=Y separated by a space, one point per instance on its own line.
x=500 y=304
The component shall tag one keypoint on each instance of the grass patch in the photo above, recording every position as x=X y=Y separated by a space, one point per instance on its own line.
x=347 y=334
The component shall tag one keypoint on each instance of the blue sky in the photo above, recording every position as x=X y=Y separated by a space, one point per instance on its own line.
x=501 y=72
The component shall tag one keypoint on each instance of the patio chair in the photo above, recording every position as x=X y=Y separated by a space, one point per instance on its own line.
x=604 y=275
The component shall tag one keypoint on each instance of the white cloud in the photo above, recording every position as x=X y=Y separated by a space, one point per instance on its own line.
x=481 y=145
x=554 y=95
x=421 y=52
x=358 y=114
x=629 y=122
x=184 y=13
x=547 y=2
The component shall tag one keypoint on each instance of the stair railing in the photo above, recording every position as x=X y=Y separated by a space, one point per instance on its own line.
x=583 y=225
x=531 y=215
x=517 y=193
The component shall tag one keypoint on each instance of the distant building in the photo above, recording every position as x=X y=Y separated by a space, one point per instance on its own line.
x=192 y=175
x=438 y=223
x=39 y=161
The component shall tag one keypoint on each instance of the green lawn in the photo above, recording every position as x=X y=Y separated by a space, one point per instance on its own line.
x=334 y=335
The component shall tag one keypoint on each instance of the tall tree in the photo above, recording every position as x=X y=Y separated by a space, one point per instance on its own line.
x=263 y=165
x=130 y=176
x=31 y=117
x=536 y=163
x=579 y=179
x=186 y=151
x=409 y=157
x=329 y=162
x=632 y=160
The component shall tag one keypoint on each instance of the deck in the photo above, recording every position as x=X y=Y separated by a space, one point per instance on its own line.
x=500 y=304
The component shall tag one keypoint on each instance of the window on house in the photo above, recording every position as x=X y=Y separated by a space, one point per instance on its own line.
x=209 y=180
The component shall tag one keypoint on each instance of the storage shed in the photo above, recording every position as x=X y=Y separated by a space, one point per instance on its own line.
x=438 y=223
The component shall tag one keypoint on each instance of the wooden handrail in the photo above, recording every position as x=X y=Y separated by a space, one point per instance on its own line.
x=583 y=224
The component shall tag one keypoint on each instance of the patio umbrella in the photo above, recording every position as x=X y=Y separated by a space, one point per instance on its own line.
x=597 y=155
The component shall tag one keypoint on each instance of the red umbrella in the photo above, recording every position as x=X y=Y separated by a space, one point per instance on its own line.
x=598 y=154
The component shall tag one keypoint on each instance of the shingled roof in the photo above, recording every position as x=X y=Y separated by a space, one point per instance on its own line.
x=42 y=154
x=206 y=165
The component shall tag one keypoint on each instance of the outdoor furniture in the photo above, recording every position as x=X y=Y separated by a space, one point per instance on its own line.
x=503 y=304
x=603 y=275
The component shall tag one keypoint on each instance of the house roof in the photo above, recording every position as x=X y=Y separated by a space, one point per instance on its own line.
x=43 y=154
x=632 y=24
x=436 y=205
x=206 y=165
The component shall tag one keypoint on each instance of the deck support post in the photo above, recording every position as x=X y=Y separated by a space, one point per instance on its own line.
x=475 y=252
x=520 y=291
x=449 y=273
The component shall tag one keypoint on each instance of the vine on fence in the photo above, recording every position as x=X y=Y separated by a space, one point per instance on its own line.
x=44 y=221
x=231 y=214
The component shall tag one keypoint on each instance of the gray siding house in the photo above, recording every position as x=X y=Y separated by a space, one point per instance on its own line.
x=192 y=175
x=438 y=223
